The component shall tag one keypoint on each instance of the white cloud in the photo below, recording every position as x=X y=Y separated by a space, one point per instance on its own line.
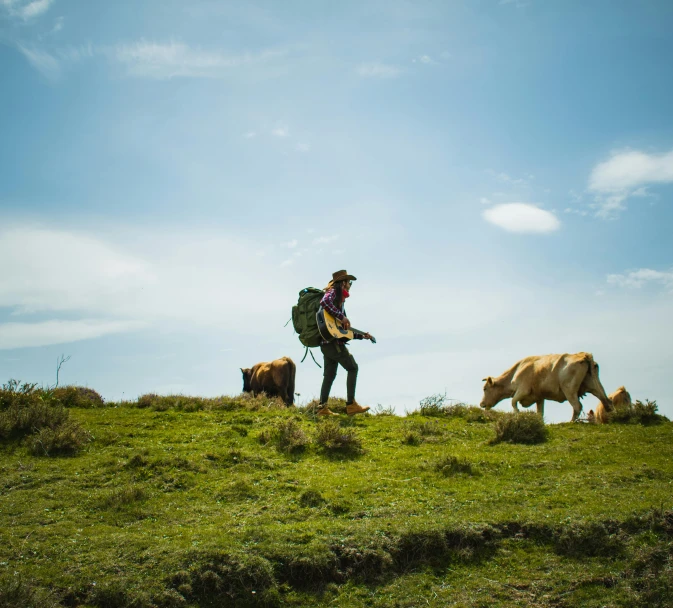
x=323 y=240
x=287 y=262
x=281 y=131
x=484 y=201
x=175 y=59
x=290 y=244
x=625 y=174
x=51 y=65
x=505 y=177
x=26 y=10
x=177 y=280
x=250 y=135
x=42 y=61
x=522 y=218
x=377 y=70
x=303 y=147
x=45 y=333
x=34 y=9
x=636 y=279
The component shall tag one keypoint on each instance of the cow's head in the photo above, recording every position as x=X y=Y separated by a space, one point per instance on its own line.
x=493 y=394
x=247 y=376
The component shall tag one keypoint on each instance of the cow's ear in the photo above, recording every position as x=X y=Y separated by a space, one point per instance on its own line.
x=488 y=381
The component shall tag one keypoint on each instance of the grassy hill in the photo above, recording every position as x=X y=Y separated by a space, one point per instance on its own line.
x=235 y=501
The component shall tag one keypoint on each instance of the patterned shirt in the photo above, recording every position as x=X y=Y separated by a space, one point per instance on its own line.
x=328 y=304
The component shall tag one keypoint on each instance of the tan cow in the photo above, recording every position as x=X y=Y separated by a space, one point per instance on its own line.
x=621 y=399
x=559 y=378
x=275 y=378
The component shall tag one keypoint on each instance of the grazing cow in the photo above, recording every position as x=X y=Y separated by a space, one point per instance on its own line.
x=275 y=378
x=620 y=400
x=556 y=377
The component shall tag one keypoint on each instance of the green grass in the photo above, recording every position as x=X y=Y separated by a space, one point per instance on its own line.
x=178 y=502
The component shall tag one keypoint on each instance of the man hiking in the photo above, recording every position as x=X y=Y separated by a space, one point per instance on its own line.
x=335 y=352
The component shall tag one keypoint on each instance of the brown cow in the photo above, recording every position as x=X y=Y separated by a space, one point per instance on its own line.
x=275 y=378
x=559 y=378
x=621 y=399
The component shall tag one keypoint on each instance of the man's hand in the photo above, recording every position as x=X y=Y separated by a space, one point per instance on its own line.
x=346 y=324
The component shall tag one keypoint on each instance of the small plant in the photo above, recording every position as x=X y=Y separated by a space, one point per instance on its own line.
x=452 y=465
x=311 y=498
x=434 y=405
x=523 y=427
x=332 y=437
x=593 y=539
x=287 y=435
x=124 y=496
x=638 y=413
x=78 y=396
x=67 y=438
x=381 y=410
x=412 y=437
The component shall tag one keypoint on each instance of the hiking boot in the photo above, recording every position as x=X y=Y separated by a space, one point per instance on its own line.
x=325 y=411
x=356 y=408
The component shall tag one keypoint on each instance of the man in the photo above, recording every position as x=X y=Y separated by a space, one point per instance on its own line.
x=335 y=352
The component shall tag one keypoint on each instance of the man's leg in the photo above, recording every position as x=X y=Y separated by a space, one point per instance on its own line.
x=331 y=365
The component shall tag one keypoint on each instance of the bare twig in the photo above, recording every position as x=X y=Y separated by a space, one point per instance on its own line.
x=59 y=362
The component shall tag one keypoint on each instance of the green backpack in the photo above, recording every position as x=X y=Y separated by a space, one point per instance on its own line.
x=304 y=316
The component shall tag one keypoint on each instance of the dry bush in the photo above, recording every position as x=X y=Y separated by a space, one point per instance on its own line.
x=65 y=439
x=332 y=437
x=78 y=396
x=452 y=465
x=286 y=435
x=522 y=427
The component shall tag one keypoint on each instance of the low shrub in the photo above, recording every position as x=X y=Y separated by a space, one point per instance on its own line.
x=311 y=498
x=331 y=436
x=412 y=437
x=522 y=427
x=67 y=439
x=78 y=396
x=452 y=465
x=594 y=539
x=638 y=413
x=286 y=435
x=16 y=592
x=434 y=405
x=219 y=578
x=124 y=496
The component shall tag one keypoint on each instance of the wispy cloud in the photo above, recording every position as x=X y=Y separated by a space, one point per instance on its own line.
x=626 y=174
x=290 y=244
x=378 y=70
x=521 y=218
x=175 y=59
x=23 y=335
x=26 y=10
x=51 y=65
x=635 y=279
x=323 y=240
x=43 y=62
x=280 y=131
x=508 y=179
x=303 y=147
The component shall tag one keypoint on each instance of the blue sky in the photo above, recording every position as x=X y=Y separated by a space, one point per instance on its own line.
x=498 y=174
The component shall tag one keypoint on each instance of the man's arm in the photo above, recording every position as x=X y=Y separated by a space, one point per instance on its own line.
x=327 y=303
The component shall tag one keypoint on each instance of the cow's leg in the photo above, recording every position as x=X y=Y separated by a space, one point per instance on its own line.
x=515 y=405
x=540 y=408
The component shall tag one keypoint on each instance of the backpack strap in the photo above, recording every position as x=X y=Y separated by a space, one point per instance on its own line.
x=312 y=357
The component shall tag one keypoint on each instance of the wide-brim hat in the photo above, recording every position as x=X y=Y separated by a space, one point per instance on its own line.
x=341 y=275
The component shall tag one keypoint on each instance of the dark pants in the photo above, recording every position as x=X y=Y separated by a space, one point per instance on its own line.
x=336 y=354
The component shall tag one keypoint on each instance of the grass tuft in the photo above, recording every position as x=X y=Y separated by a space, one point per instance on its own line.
x=523 y=427
x=452 y=465
x=594 y=539
x=639 y=413
x=332 y=437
